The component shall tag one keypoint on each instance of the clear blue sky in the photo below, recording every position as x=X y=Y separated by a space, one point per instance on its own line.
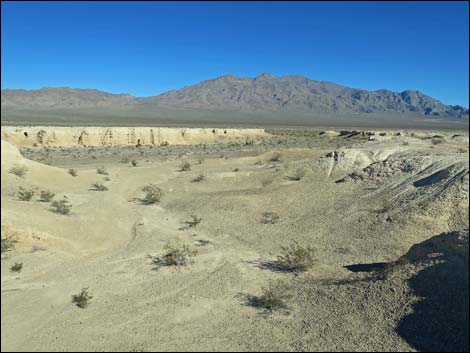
x=146 y=48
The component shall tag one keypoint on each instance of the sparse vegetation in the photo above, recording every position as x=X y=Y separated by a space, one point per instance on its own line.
x=25 y=194
x=175 y=256
x=153 y=194
x=134 y=163
x=46 y=196
x=102 y=171
x=19 y=170
x=82 y=299
x=273 y=298
x=194 y=221
x=269 y=217
x=199 y=178
x=99 y=187
x=17 y=267
x=7 y=243
x=299 y=173
x=235 y=170
x=185 y=166
x=296 y=258
x=61 y=206
x=72 y=172
x=436 y=141
x=266 y=181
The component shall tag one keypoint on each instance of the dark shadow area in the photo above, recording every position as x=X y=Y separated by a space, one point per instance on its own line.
x=433 y=178
x=440 y=320
x=273 y=266
x=373 y=267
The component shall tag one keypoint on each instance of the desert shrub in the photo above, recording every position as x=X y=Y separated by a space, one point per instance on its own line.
x=46 y=196
x=134 y=163
x=82 y=299
x=107 y=178
x=102 y=170
x=175 y=256
x=436 y=141
x=61 y=206
x=200 y=161
x=273 y=298
x=19 y=170
x=164 y=143
x=73 y=172
x=461 y=150
x=296 y=258
x=17 y=267
x=269 y=217
x=194 y=221
x=299 y=173
x=259 y=162
x=7 y=243
x=124 y=160
x=153 y=194
x=266 y=181
x=25 y=194
x=185 y=166
x=275 y=157
x=199 y=178
x=99 y=187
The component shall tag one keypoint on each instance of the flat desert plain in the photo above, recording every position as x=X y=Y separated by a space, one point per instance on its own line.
x=258 y=240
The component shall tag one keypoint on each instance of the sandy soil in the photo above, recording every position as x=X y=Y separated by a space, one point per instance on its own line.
x=371 y=206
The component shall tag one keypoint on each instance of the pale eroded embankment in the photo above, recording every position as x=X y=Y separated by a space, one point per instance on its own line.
x=31 y=136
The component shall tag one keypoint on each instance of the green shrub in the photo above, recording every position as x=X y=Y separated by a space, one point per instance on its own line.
x=19 y=170
x=17 y=267
x=25 y=195
x=134 y=163
x=296 y=258
x=175 y=256
x=194 y=221
x=82 y=299
x=153 y=194
x=185 y=166
x=273 y=298
x=62 y=206
x=102 y=170
x=46 y=196
x=199 y=178
x=99 y=187
x=269 y=217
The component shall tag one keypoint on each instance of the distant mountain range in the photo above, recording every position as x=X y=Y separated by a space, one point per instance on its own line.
x=263 y=94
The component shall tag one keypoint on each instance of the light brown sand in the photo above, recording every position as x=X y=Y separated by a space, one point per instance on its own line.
x=104 y=243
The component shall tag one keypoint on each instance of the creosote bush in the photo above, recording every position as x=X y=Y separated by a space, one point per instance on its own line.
x=269 y=217
x=185 y=166
x=61 y=206
x=153 y=194
x=199 y=178
x=82 y=299
x=175 y=256
x=194 y=221
x=72 y=172
x=17 y=267
x=102 y=170
x=134 y=163
x=296 y=258
x=99 y=187
x=19 y=170
x=46 y=196
x=273 y=298
x=25 y=194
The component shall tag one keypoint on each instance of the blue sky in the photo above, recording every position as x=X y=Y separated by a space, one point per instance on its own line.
x=146 y=48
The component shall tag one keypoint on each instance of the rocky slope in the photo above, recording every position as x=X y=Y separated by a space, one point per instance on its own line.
x=263 y=94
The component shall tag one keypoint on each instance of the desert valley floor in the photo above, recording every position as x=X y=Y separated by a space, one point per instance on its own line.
x=385 y=211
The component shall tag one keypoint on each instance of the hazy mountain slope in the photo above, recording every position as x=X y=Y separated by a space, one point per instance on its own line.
x=62 y=97
x=263 y=94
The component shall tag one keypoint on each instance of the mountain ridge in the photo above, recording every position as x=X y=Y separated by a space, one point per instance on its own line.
x=265 y=93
